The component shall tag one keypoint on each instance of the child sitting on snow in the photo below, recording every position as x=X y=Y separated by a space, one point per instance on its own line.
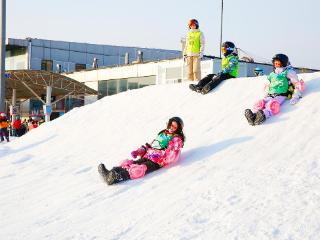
x=229 y=64
x=280 y=80
x=164 y=150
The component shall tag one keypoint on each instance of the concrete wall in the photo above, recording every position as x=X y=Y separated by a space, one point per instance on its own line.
x=167 y=69
x=163 y=72
x=126 y=71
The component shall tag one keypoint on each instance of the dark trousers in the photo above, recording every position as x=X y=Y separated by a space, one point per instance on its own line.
x=151 y=166
x=4 y=131
x=212 y=80
x=20 y=131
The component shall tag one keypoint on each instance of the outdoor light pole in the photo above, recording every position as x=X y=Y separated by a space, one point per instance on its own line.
x=2 y=54
x=221 y=21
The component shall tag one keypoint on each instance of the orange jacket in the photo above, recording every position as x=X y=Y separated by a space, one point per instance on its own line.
x=4 y=124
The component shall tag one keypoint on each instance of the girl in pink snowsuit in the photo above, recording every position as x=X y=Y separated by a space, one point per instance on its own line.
x=163 y=150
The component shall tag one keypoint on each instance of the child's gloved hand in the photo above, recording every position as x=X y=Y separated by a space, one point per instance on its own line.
x=300 y=85
x=139 y=152
x=295 y=97
x=185 y=57
x=134 y=154
x=294 y=100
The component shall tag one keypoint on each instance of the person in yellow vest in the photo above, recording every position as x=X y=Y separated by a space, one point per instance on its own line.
x=229 y=65
x=193 y=51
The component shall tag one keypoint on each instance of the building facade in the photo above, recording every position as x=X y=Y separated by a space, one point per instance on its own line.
x=62 y=56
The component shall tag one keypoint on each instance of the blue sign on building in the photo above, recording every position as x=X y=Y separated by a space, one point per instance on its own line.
x=47 y=109
x=7 y=75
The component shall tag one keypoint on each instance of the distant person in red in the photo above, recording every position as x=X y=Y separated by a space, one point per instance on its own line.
x=18 y=127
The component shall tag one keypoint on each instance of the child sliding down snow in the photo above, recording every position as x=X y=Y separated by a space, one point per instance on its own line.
x=281 y=80
x=229 y=64
x=163 y=150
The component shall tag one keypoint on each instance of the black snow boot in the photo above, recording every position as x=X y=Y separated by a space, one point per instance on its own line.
x=207 y=88
x=104 y=173
x=111 y=178
x=195 y=87
x=250 y=116
x=260 y=118
x=115 y=175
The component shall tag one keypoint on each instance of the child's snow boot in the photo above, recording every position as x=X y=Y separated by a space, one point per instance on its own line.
x=111 y=178
x=260 y=118
x=103 y=172
x=207 y=88
x=195 y=87
x=250 y=116
x=116 y=175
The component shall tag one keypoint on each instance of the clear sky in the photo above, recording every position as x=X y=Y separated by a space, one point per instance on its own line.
x=260 y=27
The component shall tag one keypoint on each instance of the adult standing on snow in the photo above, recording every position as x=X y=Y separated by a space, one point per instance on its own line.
x=229 y=66
x=163 y=150
x=278 y=91
x=193 y=51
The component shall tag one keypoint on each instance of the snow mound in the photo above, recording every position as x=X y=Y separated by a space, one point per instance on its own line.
x=234 y=181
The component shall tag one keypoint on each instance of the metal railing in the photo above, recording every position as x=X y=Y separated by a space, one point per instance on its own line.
x=179 y=72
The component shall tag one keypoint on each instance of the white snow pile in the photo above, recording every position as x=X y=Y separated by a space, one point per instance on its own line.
x=234 y=181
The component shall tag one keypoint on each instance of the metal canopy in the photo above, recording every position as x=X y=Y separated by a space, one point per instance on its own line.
x=33 y=83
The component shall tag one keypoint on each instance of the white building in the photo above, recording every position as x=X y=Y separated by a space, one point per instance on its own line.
x=112 y=80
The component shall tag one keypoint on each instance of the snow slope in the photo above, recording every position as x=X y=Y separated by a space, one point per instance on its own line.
x=234 y=181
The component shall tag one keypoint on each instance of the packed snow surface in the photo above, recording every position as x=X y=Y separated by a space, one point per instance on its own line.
x=234 y=181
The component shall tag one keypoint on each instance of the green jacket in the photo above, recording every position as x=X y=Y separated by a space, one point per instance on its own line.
x=230 y=64
x=162 y=140
x=278 y=82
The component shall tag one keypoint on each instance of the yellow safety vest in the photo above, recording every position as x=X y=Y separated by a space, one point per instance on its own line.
x=193 y=42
